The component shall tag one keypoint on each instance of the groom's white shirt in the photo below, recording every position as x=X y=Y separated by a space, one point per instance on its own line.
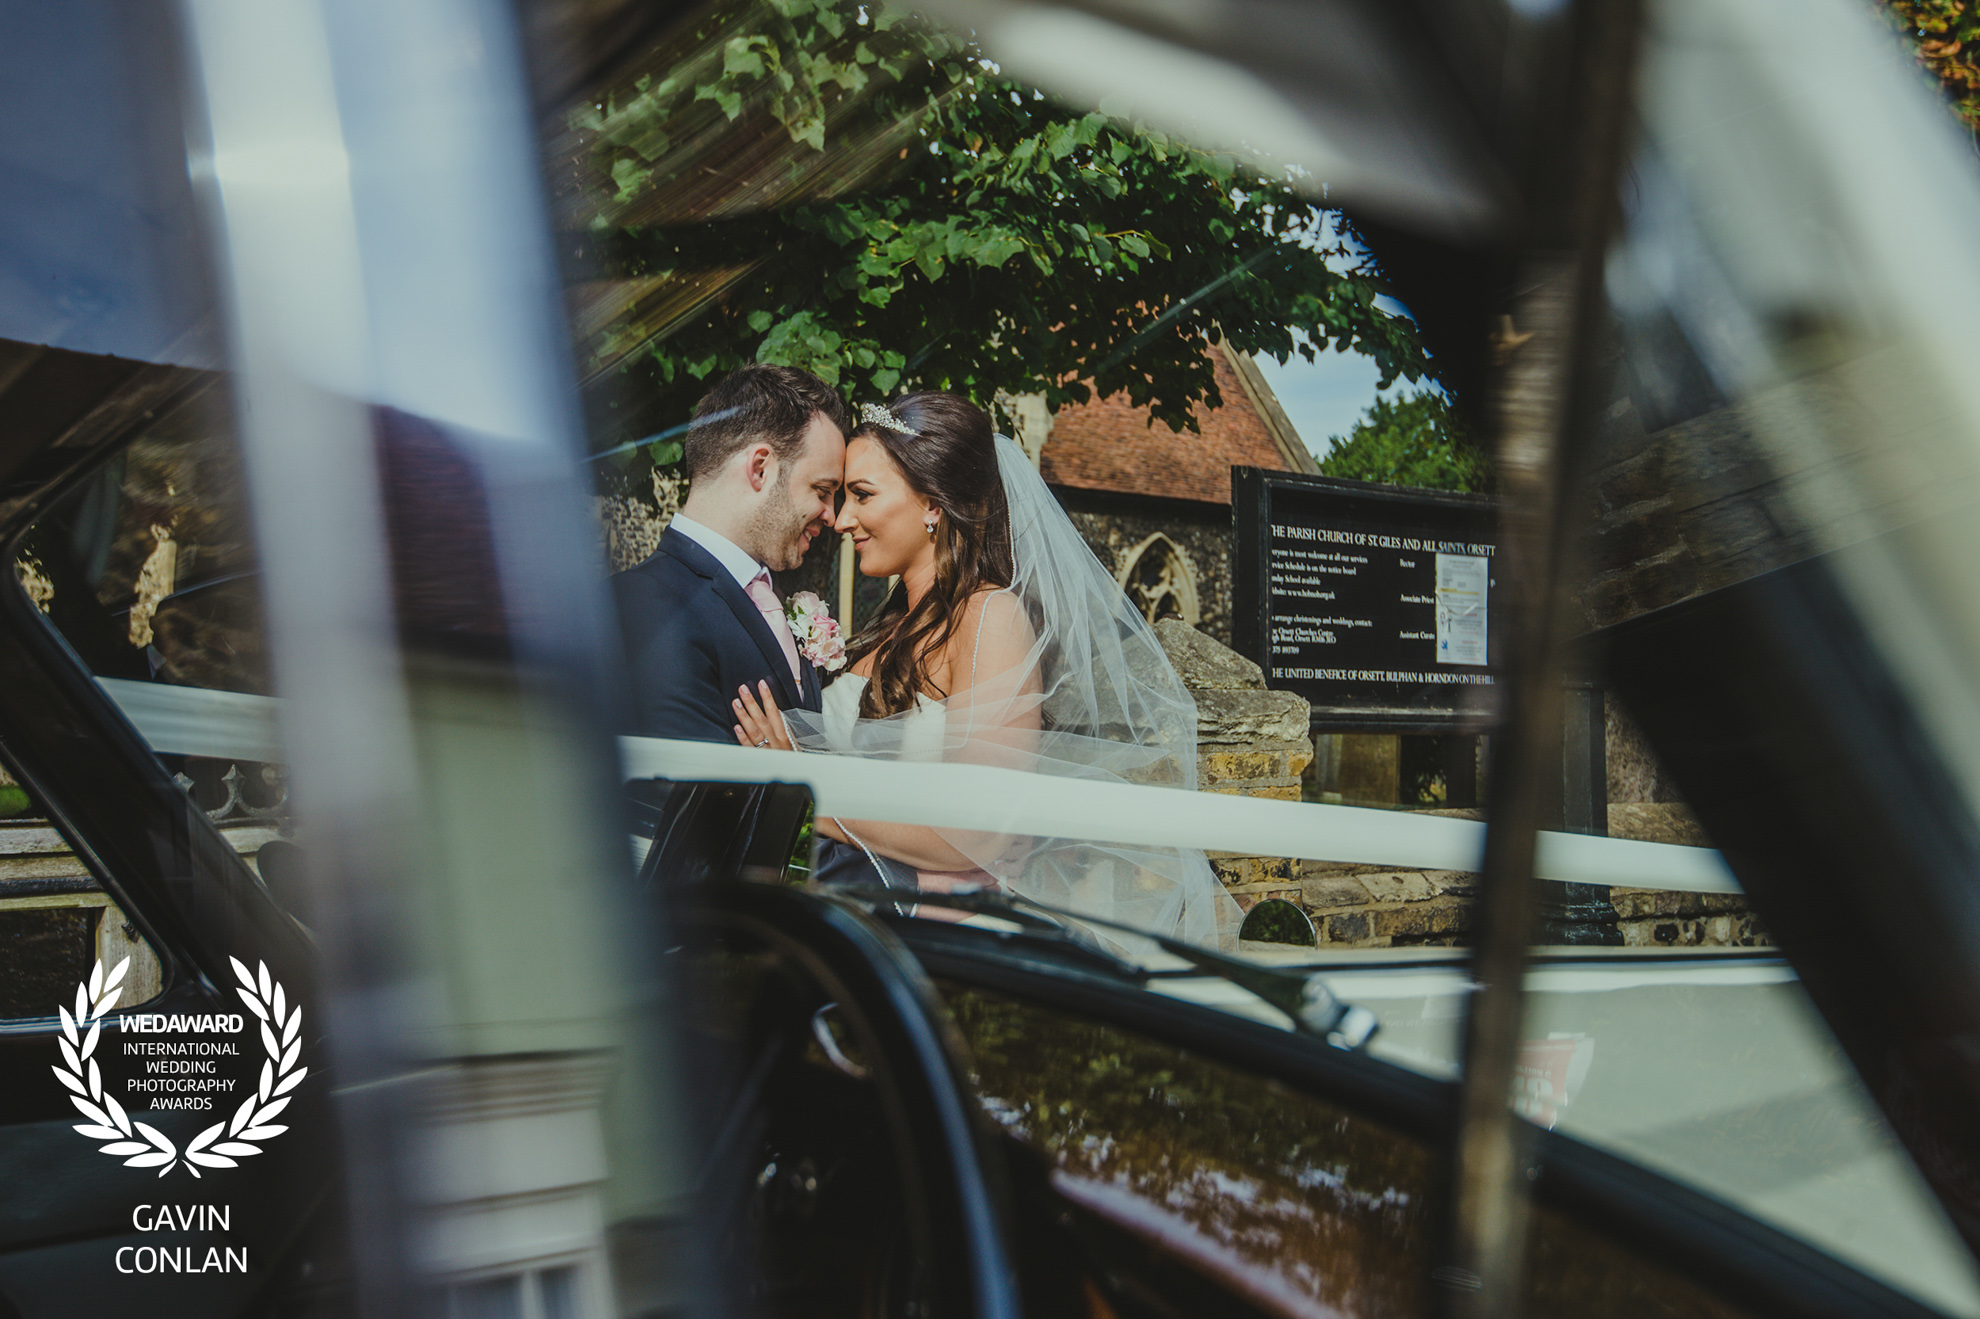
x=727 y=553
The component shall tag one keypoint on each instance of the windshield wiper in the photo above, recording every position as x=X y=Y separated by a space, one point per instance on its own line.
x=1084 y=947
x=1302 y=995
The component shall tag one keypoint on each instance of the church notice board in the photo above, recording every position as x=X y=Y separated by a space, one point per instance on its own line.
x=1372 y=602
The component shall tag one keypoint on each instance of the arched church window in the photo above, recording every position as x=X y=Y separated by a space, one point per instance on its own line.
x=1158 y=577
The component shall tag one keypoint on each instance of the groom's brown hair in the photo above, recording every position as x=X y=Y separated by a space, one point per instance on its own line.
x=772 y=404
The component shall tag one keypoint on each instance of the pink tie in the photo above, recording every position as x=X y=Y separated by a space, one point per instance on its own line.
x=773 y=614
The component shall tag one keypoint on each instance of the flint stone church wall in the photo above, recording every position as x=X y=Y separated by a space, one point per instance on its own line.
x=1114 y=525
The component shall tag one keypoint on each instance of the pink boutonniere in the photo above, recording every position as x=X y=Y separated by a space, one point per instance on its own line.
x=816 y=631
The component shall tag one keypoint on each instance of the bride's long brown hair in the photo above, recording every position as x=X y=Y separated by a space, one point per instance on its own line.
x=951 y=461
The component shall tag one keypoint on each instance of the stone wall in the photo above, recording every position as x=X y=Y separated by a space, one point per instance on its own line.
x=1112 y=525
x=631 y=527
x=1250 y=742
x=1253 y=742
x=1374 y=907
x=56 y=921
x=1634 y=773
x=1650 y=919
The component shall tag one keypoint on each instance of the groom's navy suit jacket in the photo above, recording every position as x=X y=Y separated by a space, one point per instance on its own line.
x=692 y=637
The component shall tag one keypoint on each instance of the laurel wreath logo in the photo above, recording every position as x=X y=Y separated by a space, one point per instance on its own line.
x=253 y=1121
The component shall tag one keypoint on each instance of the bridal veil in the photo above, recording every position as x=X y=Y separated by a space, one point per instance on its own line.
x=1069 y=681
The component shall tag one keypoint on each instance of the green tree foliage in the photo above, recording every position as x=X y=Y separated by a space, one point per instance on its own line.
x=1414 y=440
x=890 y=212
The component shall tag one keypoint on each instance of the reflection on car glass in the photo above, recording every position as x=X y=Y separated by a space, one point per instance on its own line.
x=1714 y=1071
x=56 y=921
x=1296 y=1203
x=147 y=567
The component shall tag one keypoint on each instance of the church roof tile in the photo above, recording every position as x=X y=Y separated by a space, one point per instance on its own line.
x=1109 y=444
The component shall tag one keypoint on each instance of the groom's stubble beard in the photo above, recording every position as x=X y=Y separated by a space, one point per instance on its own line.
x=776 y=528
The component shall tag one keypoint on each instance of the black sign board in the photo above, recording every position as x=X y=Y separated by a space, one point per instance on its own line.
x=1373 y=602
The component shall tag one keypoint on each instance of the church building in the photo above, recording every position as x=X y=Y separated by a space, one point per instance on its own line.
x=1155 y=504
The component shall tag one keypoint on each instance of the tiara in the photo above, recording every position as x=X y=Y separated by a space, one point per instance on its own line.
x=874 y=414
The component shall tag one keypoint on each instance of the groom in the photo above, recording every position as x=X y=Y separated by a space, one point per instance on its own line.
x=764 y=455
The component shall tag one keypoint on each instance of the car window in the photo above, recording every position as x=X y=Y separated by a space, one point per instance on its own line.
x=1131 y=418
x=1310 y=1207
x=1717 y=1072
x=1675 y=1044
x=750 y=189
x=56 y=922
x=146 y=567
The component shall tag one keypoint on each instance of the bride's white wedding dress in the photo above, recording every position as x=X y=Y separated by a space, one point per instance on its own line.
x=922 y=730
x=1074 y=685
x=922 y=734
x=923 y=737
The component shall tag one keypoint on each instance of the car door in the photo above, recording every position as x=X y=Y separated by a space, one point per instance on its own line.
x=127 y=1012
x=1168 y=1145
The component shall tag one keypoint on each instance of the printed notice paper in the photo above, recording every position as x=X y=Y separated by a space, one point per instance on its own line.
x=1461 y=581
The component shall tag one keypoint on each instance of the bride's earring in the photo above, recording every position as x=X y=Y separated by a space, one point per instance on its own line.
x=930 y=524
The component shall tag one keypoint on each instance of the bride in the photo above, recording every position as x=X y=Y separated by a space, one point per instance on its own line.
x=1004 y=643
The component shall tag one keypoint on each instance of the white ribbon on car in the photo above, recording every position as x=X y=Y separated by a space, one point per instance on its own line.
x=232 y=726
